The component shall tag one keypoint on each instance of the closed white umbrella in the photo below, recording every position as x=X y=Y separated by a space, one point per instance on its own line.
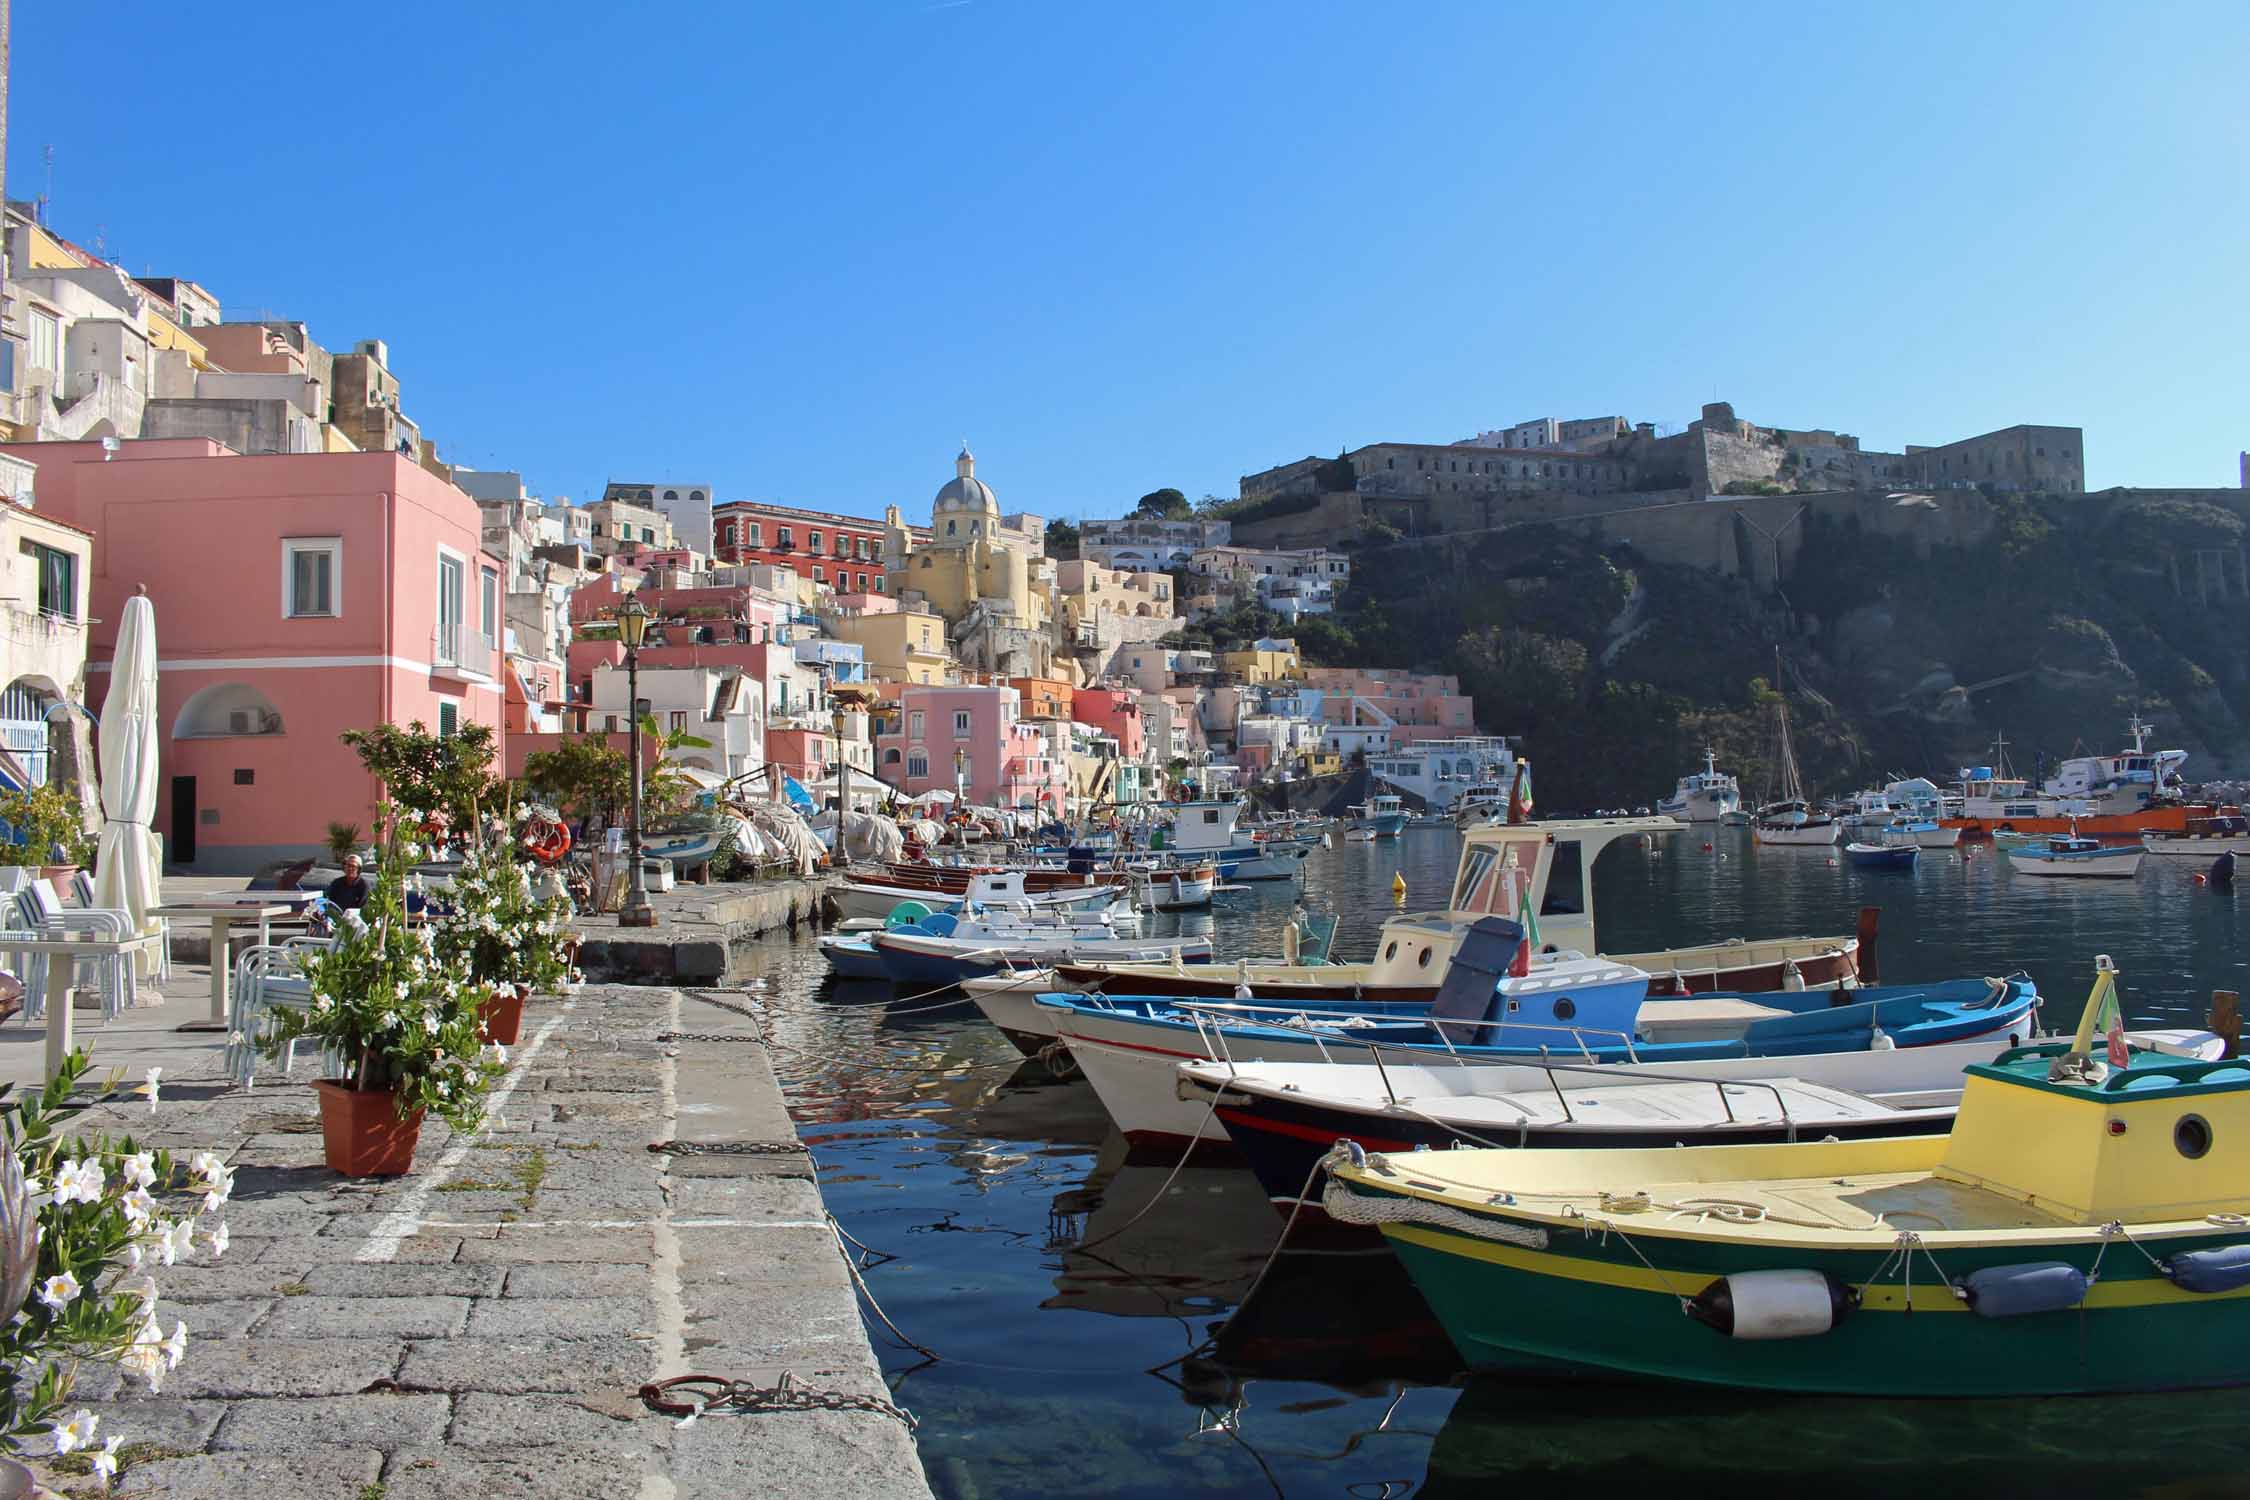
x=125 y=872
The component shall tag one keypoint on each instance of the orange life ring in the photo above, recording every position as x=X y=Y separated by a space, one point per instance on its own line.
x=546 y=840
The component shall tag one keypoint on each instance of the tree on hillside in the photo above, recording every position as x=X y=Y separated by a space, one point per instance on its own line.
x=1062 y=541
x=1165 y=505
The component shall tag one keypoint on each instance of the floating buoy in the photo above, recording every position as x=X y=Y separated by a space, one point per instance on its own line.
x=1831 y=861
x=1706 y=846
x=2202 y=879
x=1398 y=886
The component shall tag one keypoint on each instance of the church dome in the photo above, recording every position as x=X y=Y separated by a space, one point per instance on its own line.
x=965 y=491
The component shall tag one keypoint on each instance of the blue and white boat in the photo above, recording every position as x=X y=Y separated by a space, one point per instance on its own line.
x=941 y=949
x=1206 y=832
x=2072 y=854
x=1884 y=856
x=1704 y=796
x=1593 y=1011
x=1382 y=815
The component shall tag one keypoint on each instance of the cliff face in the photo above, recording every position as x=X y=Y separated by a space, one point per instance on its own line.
x=1904 y=650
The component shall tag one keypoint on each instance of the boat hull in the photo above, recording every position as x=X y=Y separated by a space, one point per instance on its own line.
x=853 y=958
x=1282 y=1136
x=1814 y=834
x=2205 y=848
x=2171 y=819
x=1883 y=856
x=2119 y=864
x=1612 y=1302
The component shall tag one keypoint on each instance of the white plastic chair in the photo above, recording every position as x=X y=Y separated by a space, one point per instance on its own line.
x=40 y=915
x=266 y=980
x=82 y=886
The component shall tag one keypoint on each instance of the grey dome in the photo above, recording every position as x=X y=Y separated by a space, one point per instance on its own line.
x=965 y=491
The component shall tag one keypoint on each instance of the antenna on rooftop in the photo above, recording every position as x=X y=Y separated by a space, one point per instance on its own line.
x=47 y=154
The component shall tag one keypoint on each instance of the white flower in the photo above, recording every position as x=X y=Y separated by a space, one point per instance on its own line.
x=183 y=1239
x=320 y=1005
x=150 y=1088
x=219 y=1239
x=138 y=1206
x=79 y=1182
x=142 y=1289
x=166 y=1252
x=494 y=1052
x=58 y=1292
x=206 y=1164
x=76 y=1431
x=175 y=1347
x=429 y=1022
x=35 y=1192
x=401 y=990
x=104 y=1460
x=145 y=1363
x=133 y=1256
x=139 y=1169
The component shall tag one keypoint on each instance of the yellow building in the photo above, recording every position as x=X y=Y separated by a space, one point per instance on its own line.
x=899 y=645
x=984 y=572
x=1263 y=661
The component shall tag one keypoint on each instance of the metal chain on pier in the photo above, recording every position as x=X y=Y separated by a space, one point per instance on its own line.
x=707 y=1036
x=730 y=1148
x=715 y=1393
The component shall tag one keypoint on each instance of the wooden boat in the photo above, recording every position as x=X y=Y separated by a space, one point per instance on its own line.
x=1383 y=814
x=1790 y=819
x=2225 y=832
x=1593 y=1010
x=1282 y=1118
x=1547 y=868
x=854 y=899
x=2117 y=796
x=1883 y=856
x=2068 y=854
x=2081 y=1230
x=938 y=950
x=954 y=879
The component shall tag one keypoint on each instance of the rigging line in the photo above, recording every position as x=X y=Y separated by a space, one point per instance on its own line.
x=1166 y=1186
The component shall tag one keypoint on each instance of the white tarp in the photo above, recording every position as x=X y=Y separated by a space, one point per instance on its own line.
x=125 y=863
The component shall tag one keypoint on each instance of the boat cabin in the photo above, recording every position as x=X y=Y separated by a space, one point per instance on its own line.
x=1205 y=827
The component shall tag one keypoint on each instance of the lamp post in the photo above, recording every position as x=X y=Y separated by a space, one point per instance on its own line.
x=632 y=630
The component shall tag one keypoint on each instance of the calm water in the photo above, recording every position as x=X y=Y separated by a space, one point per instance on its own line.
x=1133 y=1369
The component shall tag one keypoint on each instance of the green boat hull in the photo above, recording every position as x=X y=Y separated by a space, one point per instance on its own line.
x=1613 y=1301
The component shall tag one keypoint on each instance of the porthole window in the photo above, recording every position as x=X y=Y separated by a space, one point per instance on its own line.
x=1565 y=1008
x=1423 y=961
x=2192 y=1135
x=1391 y=952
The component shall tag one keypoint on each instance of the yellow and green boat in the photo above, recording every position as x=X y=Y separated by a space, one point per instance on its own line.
x=2081 y=1230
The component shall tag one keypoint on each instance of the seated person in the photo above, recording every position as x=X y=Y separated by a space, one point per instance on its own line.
x=348 y=891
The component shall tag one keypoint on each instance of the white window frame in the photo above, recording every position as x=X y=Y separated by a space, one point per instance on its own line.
x=960 y=722
x=757 y=535
x=460 y=603
x=290 y=547
x=914 y=721
x=488 y=604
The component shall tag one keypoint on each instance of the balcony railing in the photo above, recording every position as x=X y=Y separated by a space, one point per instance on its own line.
x=457 y=650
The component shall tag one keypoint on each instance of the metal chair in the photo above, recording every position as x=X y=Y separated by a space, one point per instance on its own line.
x=266 y=980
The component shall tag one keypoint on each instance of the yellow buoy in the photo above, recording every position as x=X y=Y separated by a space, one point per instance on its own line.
x=1398 y=885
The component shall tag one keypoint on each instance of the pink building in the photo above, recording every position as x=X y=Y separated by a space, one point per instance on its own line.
x=1419 y=705
x=1116 y=712
x=297 y=596
x=1006 y=759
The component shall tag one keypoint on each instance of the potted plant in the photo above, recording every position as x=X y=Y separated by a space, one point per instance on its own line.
x=45 y=827
x=502 y=932
x=402 y=1017
x=342 y=841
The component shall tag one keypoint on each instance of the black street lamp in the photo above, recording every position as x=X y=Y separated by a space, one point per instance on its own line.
x=632 y=630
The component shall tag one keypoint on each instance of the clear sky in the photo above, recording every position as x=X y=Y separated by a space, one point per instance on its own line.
x=802 y=250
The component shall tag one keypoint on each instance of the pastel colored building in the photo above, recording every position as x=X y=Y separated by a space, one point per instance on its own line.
x=1412 y=705
x=1115 y=712
x=900 y=645
x=842 y=552
x=297 y=596
x=1005 y=758
x=45 y=565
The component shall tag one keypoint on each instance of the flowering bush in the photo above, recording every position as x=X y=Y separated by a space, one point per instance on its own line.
x=401 y=1013
x=501 y=929
x=81 y=1221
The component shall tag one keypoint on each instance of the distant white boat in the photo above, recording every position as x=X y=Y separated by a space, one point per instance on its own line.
x=2068 y=854
x=1704 y=796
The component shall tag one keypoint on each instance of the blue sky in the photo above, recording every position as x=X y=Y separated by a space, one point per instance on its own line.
x=802 y=250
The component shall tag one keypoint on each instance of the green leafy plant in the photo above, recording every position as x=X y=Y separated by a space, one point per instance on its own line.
x=501 y=930
x=343 y=840
x=403 y=1015
x=82 y=1220
x=49 y=828
x=446 y=774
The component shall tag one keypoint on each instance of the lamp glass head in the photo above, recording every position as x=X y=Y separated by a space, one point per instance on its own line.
x=632 y=622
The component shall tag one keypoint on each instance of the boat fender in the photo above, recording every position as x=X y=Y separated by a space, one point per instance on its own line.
x=2034 y=1287
x=1773 y=1304
x=2220 y=1269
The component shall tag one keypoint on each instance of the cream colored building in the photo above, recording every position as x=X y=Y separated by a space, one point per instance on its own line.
x=44 y=588
x=986 y=573
x=906 y=645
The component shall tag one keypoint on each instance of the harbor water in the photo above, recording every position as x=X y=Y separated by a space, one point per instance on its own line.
x=1133 y=1367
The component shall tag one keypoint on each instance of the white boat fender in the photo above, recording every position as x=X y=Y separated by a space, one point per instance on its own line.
x=2222 y=1268
x=2012 y=1291
x=1792 y=978
x=1773 y=1304
x=1879 y=1040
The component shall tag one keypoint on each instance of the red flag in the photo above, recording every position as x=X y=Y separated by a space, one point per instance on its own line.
x=2119 y=1057
x=1519 y=794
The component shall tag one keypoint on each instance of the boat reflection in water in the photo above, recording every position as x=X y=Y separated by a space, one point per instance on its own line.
x=1580 y=1437
x=1187 y=1250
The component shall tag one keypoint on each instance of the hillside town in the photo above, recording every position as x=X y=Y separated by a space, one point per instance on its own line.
x=322 y=568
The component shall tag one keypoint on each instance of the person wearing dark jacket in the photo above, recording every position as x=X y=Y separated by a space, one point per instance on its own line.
x=348 y=891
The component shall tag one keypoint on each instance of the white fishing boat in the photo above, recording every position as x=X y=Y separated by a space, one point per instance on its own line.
x=1790 y=818
x=1188 y=888
x=1383 y=814
x=871 y=898
x=1482 y=802
x=2071 y=854
x=1704 y=796
x=2206 y=838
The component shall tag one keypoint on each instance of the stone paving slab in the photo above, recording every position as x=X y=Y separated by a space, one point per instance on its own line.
x=483 y=1325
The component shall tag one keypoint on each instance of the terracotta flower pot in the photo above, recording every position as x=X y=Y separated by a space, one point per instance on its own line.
x=362 y=1132
x=500 y=1018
